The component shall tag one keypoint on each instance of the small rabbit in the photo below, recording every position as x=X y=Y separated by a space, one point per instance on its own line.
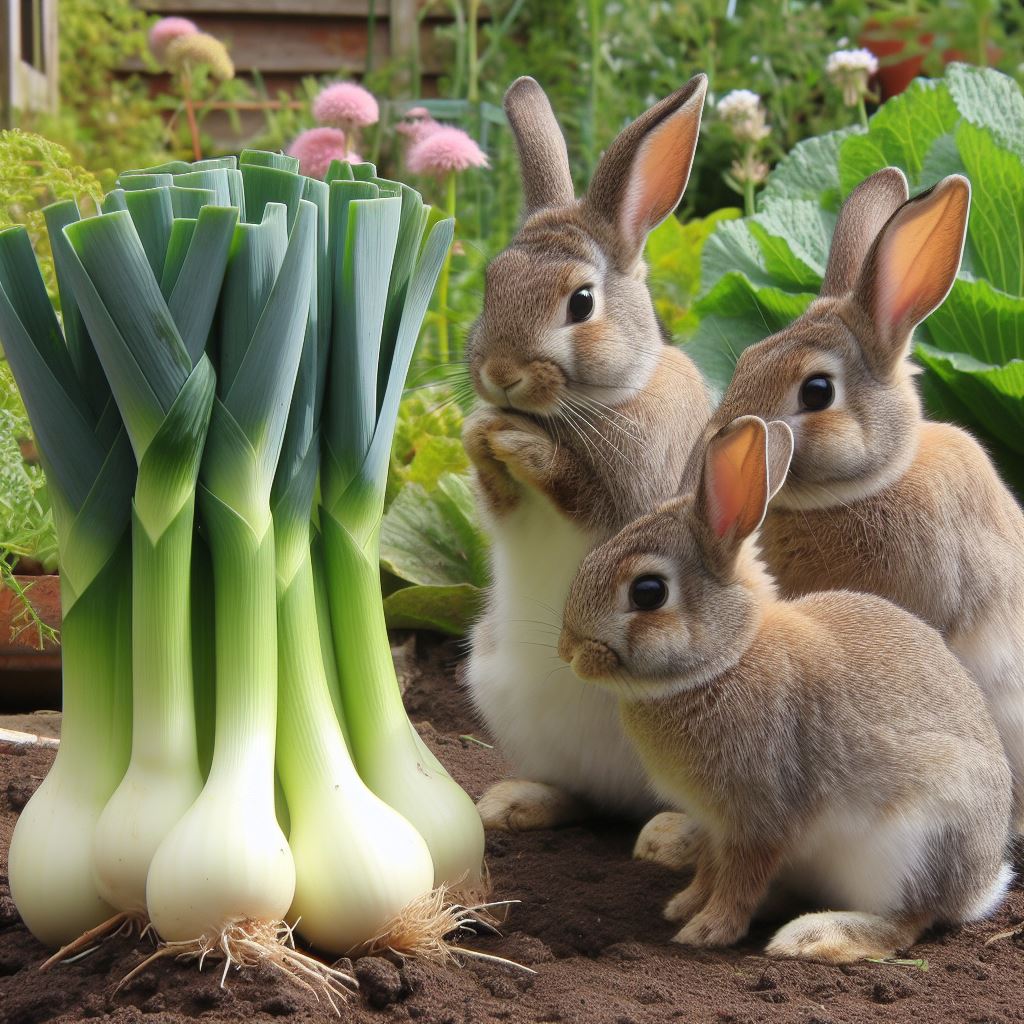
x=832 y=749
x=588 y=417
x=880 y=499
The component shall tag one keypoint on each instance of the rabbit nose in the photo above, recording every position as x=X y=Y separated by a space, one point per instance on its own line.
x=501 y=376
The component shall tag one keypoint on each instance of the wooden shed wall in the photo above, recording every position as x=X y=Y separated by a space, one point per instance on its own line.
x=287 y=40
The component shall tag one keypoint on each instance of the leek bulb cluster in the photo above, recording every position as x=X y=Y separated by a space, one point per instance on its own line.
x=219 y=406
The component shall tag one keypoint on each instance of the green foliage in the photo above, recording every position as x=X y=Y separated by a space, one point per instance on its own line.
x=105 y=121
x=33 y=173
x=431 y=540
x=647 y=50
x=26 y=522
x=673 y=260
x=761 y=272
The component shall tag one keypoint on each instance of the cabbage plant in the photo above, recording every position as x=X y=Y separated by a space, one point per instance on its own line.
x=761 y=272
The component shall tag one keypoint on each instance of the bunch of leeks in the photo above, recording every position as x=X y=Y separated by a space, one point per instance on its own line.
x=216 y=415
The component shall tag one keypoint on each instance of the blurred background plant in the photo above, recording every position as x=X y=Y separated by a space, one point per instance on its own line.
x=791 y=81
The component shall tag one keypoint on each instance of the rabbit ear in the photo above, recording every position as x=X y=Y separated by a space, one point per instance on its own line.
x=641 y=178
x=863 y=215
x=780 y=454
x=734 y=490
x=911 y=268
x=543 y=160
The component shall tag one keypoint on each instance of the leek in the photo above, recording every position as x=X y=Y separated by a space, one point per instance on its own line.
x=383 y=277
x=151 y=343
x=227 y=862
x=358 y=863
x=245 y=333
x=90 y=474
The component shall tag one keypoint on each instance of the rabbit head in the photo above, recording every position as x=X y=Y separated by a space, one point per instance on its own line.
x=566 y=310
x=665 y=604
x=840 y=375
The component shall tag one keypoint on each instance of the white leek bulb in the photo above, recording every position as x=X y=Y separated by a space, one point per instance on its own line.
x=358 y=863
x=226 y=860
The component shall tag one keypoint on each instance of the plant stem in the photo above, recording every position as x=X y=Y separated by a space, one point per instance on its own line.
x=594 y=17
x=190 y=111
x=862 y=112
x=473 y=88
x=747 y=167
x=442 y=285
x=371 y=32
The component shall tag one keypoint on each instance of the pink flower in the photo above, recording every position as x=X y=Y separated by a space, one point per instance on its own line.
x=166 y=30
x=443 y=151
x=417 y=124
x=316 y=148
x=346 y=105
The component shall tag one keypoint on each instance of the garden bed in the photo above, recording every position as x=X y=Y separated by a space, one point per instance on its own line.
x=589 y=925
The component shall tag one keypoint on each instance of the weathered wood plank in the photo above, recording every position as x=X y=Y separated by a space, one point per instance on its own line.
x=273 y=44
x=317 y=8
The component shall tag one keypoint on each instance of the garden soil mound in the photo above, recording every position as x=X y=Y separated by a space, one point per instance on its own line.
x=588 y=924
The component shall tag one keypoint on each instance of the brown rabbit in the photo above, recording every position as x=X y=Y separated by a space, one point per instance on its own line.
x=588 y=417
x=831 y=748
x=880 y=499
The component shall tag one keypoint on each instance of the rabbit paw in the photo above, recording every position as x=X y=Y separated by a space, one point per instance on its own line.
x=527 y=452
x=518 y=805
x=670 y=839
x=686 y=904
x=711 y=928
x=500 y=490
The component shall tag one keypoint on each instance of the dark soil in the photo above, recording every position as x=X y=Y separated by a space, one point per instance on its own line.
x=589 y=924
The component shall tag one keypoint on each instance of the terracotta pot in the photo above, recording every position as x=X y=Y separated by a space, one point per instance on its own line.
x=887 y=40
x=29 y=675
x=993 y=52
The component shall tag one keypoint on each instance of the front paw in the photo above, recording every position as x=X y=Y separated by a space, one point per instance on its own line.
x=499 y=488
x=670 y=839
x=711 y=929
x=527 y=453
x=518 y=805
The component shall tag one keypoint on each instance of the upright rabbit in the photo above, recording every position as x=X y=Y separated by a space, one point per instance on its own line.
x=831 y=748
x=880 y=499
x=588 y=418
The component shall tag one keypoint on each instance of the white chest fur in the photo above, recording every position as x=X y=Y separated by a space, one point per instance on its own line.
x=552 y=727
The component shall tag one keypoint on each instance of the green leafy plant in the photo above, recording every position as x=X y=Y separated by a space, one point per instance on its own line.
x=106 y=119
x=26 y=520
x=34 y=172
x=674 y=267
x=762 y=271
x=432 y=545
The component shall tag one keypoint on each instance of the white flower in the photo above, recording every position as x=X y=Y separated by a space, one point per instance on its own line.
x=739 y=104
x=849 y=70
x=742 y=111
x=844 y=61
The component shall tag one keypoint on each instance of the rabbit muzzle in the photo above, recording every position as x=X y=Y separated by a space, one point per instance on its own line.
x=590 y=659
x=536 y=386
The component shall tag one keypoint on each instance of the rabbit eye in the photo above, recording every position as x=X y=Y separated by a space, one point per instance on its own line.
x=647 y=593
x=581 y=304
x=816 y=393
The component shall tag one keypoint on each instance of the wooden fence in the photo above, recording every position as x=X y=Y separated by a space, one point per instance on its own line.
x=286 y=40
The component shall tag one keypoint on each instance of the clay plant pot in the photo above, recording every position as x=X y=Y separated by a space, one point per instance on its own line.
x=29 y=674
x=887 y=40
x=993 y=53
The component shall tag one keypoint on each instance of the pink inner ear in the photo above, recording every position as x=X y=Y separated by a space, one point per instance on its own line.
x=726 y=491
x=659 y=175
x=917 y=264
